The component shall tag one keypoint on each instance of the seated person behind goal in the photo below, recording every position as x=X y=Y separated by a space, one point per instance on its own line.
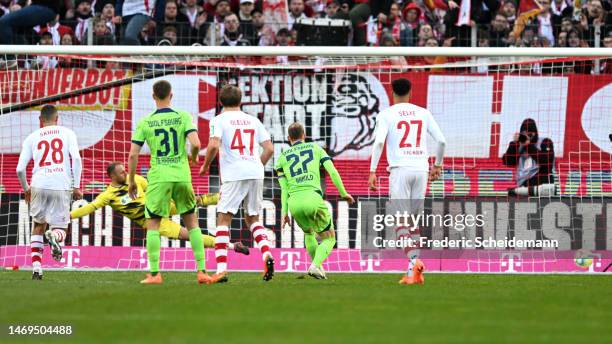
x=534 y=158
x=116 y=196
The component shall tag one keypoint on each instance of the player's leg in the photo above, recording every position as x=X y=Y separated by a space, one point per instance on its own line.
x=38 y=213
x=36 y=249
x=302 y=211
x=184 y=198
x=418 y=187
x=207 y=199
x=209 y=241
x=157 y=207
x=325 y=229
x=252 y=207
x=58 y=215
x=231 y=195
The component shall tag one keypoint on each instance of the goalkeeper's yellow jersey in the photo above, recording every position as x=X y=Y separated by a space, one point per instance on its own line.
x=118 y=199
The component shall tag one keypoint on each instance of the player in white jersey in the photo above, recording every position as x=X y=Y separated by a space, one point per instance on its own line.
x=238 y=136
x=54 y=181
x=405 y=127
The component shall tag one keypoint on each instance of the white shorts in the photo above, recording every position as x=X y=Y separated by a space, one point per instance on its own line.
x=233 y=193
x=51 y=206
x=410 y=186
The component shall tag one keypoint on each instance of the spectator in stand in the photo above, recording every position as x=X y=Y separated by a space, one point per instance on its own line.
x=214 y=35
x=561 y=9
x=544 y=21
x=264 y=34
x=566 y=25
x=40 y=61
x=283 y=38
x=296 y=11
x=562 y=39
x=246 y=20
x=40 y=12
x=192 y=10
x=605 y=65
x=509 y=11
x=387 y=40
x=56 y=29
x=106 y=10
x=392 y=25
x=360 y=14
x=594 y=15
x=332 y=7
x=425 y=33
x=410 y=15
x=500 y=28
x=83 y=15
x=178 y=21
x=231 y=33
x=68 y=39
x=101 y=33
x=345 y=9
x=462 y=16
x=135 y=15
x=197 y=18
x=146 y=36
x=169 y=36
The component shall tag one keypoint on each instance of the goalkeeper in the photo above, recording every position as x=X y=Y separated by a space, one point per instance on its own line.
x=298 y=170
x=116 y=196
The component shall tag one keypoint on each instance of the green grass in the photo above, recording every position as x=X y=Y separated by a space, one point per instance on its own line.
x=111 y=307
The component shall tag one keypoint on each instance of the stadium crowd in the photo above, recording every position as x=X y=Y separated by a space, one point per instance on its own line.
x=431 y=23
x=498 y=23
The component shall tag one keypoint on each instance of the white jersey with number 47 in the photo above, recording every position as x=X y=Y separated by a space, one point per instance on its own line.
x=51 y=147
x=241 y=135
x=405 y=127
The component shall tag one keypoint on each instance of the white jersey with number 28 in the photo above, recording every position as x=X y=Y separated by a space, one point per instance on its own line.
x=51 y=147
x=405 y=127
x=241 y=135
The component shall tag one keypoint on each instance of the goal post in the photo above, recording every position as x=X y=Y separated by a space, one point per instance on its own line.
x=478 y=96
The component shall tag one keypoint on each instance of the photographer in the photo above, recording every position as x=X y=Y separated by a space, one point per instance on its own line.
x=534 y=158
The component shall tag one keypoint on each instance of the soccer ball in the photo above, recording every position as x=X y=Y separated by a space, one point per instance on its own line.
x=583 y=262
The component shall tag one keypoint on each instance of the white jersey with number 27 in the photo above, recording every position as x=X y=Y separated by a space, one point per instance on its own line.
x=405 y=127
x=51 y=148
x=241 y=135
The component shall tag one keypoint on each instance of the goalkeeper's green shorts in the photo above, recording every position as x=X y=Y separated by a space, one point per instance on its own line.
x=310 y=211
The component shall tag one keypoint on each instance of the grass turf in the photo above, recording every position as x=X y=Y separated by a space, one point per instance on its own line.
x=111 y=307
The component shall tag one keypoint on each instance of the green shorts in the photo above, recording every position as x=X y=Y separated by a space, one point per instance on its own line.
x=310 y=212
x=159 y=195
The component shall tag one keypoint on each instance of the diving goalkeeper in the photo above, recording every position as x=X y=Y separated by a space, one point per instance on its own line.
x=116 y=196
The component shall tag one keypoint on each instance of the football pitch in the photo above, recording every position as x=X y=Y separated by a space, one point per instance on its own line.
x=111 y=307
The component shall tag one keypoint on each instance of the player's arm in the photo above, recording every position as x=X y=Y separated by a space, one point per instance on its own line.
x=132 y=166
x=24 y=158
x=77 y=167
x=380 y=133
x=265 y=141
x=101 y=201
x=214 y=142
x=436 y=133
x=336 y=179
x=192 y=136
x=211 y=152
x=194 y=140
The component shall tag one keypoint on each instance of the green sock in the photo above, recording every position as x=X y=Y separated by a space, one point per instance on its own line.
x=197 y=246
x=153 y=244
x=324 y=249
x=311 y=244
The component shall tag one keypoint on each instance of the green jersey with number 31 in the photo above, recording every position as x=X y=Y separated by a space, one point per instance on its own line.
x=300 y=165
x=165 y=132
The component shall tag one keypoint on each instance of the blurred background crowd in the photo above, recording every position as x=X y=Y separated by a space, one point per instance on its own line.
x=431 y=23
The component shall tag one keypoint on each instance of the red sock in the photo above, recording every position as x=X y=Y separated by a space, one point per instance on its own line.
x=221 y=241
x=261 y=239
x=60 y=234
x=36 y=247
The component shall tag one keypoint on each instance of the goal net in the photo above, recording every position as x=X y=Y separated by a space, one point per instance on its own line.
x=479 y=102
